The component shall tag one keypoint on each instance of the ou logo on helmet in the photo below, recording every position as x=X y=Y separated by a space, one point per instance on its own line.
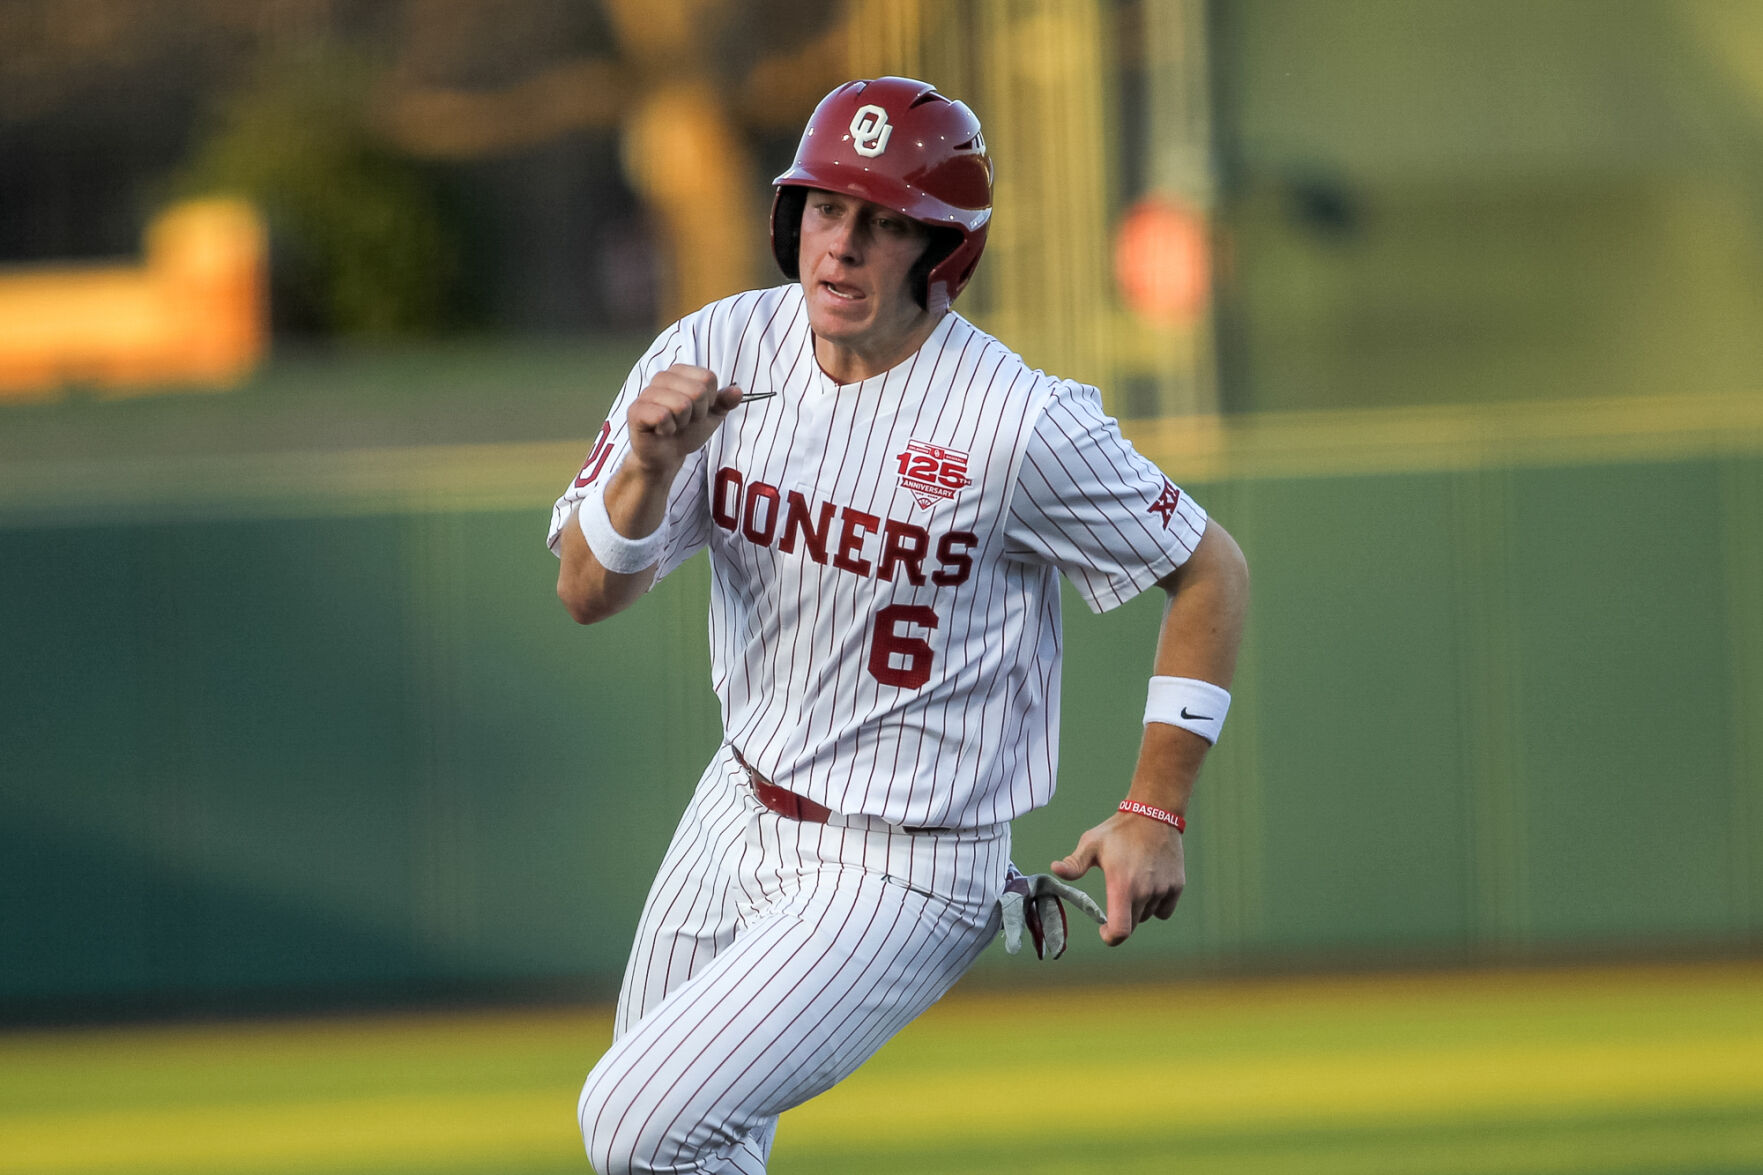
x=870 y=131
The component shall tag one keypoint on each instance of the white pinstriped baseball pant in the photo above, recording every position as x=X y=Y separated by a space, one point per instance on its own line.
x=773 y=958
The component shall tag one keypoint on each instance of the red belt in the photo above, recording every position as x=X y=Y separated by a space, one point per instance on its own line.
x=785 y=803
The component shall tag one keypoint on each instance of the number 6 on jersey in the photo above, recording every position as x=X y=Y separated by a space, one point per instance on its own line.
x=889 y=642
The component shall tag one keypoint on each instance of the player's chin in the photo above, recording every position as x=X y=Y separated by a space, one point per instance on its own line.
x=838 y=320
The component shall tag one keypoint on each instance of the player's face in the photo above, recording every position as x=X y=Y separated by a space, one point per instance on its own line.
x=854 y=261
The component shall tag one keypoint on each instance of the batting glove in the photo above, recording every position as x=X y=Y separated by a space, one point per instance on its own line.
x=1034 y=902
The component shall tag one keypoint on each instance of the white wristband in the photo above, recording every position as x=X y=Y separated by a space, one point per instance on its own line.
x=1189 y=703
x=613 y=550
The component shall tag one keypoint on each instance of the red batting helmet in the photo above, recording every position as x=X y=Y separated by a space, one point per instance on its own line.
x=898 y=143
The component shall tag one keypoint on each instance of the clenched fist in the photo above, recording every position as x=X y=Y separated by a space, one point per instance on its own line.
x=673 y=417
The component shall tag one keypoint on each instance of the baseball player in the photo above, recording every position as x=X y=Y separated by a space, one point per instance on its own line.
x=889 y=497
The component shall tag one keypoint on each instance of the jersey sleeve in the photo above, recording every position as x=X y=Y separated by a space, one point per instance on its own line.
x=1090 y=504
x=688 y=508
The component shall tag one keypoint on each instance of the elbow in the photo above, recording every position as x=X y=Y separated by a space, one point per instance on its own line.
x=580 y=612
x=585 y=611
x=584 y=606
x=590 y=594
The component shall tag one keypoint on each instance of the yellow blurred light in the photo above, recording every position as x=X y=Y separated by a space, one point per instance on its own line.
x=192 y=314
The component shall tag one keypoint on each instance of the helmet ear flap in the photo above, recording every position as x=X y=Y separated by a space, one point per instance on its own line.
x=786 y=228
x=943 y=242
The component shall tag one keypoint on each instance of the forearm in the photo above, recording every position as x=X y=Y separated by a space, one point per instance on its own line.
x=636 y=504
x=1201 y=631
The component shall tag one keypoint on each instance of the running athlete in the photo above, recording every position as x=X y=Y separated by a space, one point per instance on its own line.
x=888 y=496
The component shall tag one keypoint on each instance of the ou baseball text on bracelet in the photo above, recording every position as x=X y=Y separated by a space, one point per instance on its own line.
x=615 y=552
x=1179 y=823
x=1189 y=703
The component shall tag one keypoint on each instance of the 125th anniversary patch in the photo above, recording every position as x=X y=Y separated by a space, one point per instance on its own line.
x=932 y=473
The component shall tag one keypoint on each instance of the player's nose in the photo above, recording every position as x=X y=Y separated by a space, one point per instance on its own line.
x=844 y=243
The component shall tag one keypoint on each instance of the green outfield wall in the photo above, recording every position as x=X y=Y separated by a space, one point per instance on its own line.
x=313 y=724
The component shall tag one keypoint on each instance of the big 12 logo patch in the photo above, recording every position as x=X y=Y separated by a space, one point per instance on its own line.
x=932 y=473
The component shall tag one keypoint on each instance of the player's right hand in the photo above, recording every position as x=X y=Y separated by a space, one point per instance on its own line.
x=673 y=417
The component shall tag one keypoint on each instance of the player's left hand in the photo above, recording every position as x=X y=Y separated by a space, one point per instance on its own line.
x=1141 y=862
x=1037 y=904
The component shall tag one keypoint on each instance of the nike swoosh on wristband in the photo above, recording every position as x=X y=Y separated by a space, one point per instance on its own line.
x=1195 y=717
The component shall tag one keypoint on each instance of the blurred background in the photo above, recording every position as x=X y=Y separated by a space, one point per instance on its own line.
x=1451 y=312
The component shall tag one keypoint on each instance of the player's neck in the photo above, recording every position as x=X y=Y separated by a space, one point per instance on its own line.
x=853 y=362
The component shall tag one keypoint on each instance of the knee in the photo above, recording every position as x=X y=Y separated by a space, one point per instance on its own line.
x=618 y=1129
x=599 y=1124
x=635 y=1121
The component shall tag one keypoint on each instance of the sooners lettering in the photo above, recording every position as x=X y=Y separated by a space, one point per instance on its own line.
x=727 y=515
x=952 y=553
x=752 y=510
x=904 y=545
x=760 y=498
x=813 y=534
x=849 y=556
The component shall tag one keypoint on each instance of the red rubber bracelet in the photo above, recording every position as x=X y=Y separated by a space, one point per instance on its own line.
x=1179 y=823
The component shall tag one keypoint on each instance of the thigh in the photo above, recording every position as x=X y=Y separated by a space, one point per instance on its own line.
x=794 y=1005
x=692 y=911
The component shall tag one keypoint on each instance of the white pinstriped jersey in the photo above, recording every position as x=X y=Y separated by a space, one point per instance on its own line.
x=884 y=616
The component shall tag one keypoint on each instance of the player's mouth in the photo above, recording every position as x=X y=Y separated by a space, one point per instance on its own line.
x=843 y=293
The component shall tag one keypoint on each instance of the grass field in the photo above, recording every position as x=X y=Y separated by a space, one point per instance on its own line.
x=1623 y=1071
